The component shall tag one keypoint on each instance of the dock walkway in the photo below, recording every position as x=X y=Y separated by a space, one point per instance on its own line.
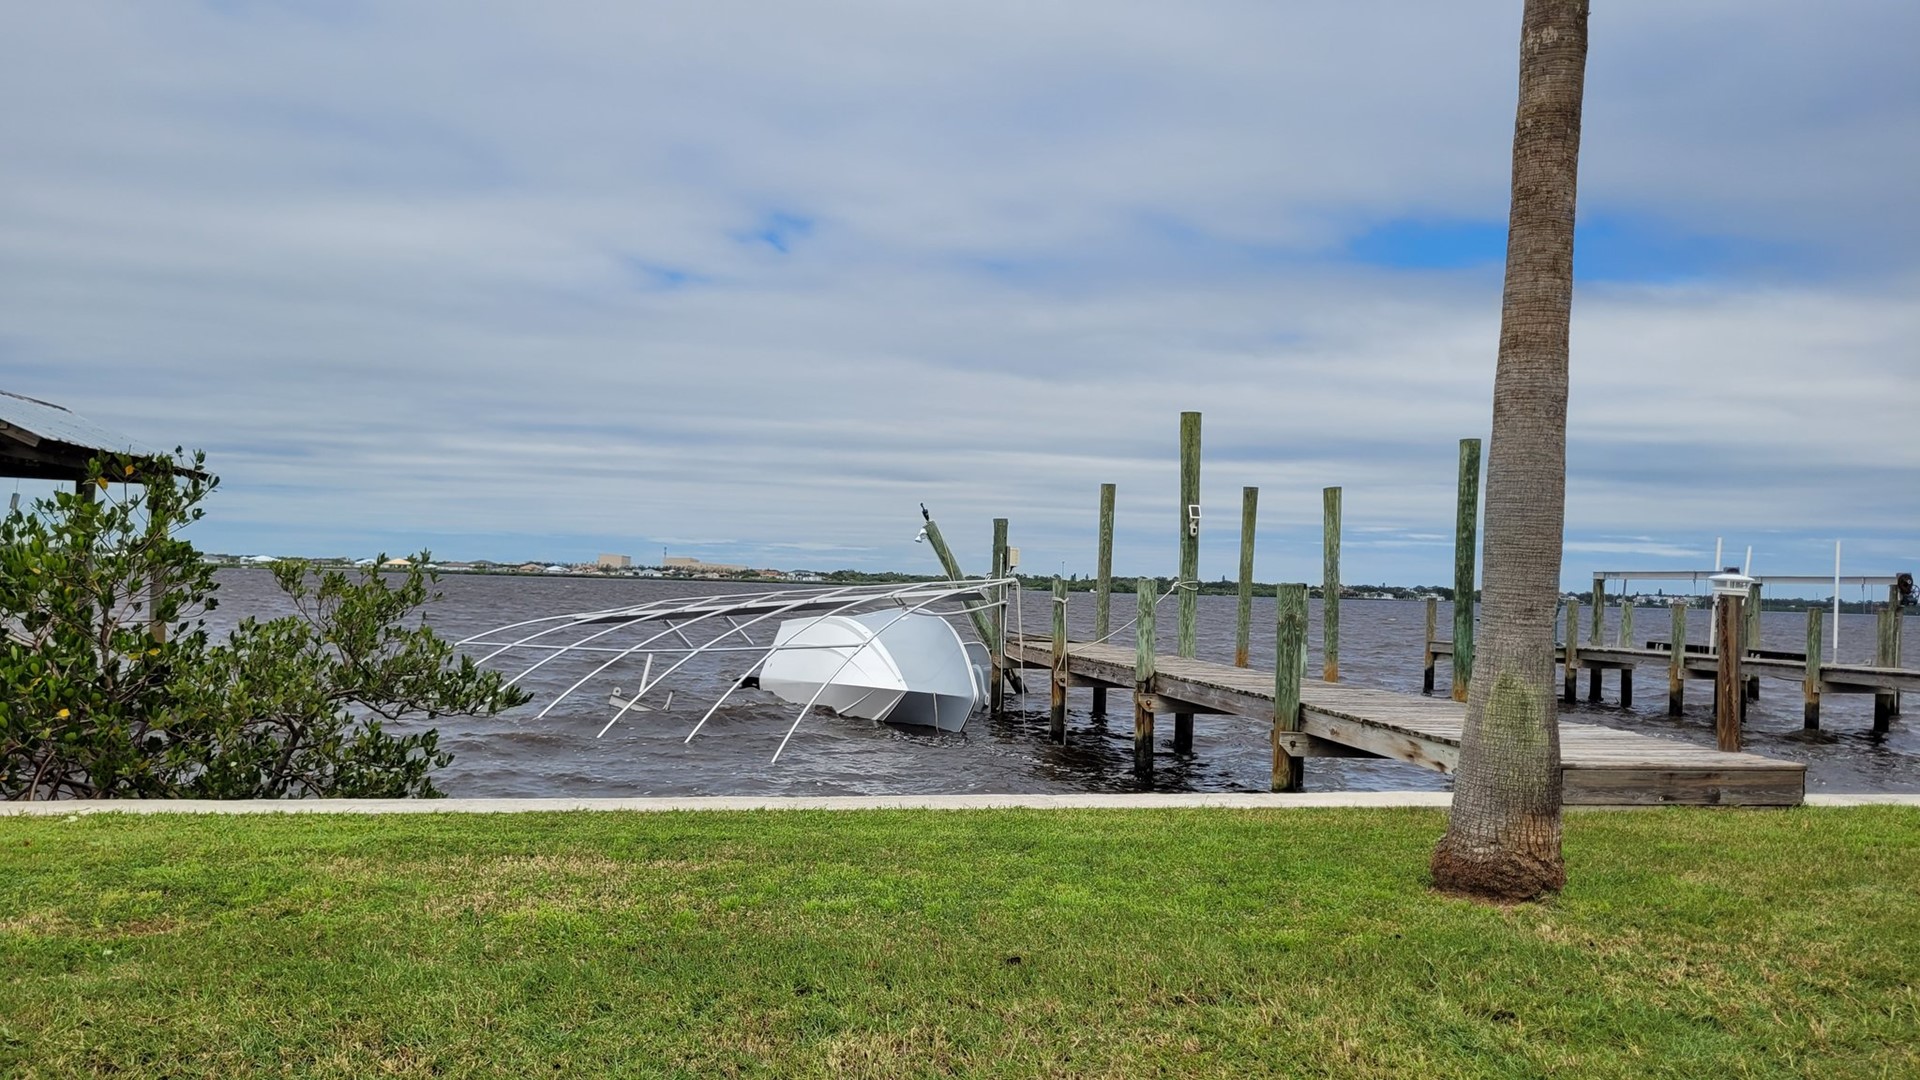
x=1601 y=766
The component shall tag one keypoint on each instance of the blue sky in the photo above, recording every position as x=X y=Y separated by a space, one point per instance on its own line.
x=751 y=282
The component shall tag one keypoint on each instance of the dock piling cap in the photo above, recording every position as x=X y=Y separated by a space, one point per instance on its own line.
x=1730 y=582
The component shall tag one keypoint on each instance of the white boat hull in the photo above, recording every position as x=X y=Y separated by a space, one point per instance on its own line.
x=885 y=665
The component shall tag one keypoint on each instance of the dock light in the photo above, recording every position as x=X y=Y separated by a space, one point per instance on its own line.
x=1731 y=582
x=922 y=538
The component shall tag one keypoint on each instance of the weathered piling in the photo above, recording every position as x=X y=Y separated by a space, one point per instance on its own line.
x=1466 y=519
x=1243 y=614
x=1290 y=651
x=1595 y=627
x=997 y=697
x=1810 y=687
x=1677 y=663
x=982 y=622
x=1750 y=636
x=1057 y=700
x=1330 y=583
x=1103 y=587
x=1189 y=558
x=1426 y=670
x=1144 y=647
x=1626 y=640
x=1571 y=663
x=1886 y=653
x=1729 y=696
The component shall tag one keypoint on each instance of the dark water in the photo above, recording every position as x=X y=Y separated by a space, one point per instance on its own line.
x=515 y=755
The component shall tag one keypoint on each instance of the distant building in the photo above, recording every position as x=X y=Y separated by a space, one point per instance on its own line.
x=695 y=566
x=614 y=562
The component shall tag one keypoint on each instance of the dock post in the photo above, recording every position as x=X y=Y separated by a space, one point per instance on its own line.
x=997 y=697
x=1289 y=660
x=1144 y=646
x=1330 y=583
x=1103 y=589
x=1596 y=626
x=1057 y=701
x=1750 y=636
x=982 y=622
x=1189 y=558
x=1570 y=660
x=1899 y=618
x=1810 y=689
x=1886 y=654
x=1729 y=698
x=1677 y=663
x=1426 y=673
x=1626 y=640
x=1466 y=518
x=1243 y=615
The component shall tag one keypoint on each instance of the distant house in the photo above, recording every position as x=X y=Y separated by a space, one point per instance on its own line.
x=614 y=562
x=397 y=563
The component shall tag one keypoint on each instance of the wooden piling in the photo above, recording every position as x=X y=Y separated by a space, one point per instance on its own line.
x=982 y=622
x=1626 y=687
x=1899 y=618
x=1750 y=636
x=1886 y=653
x=1103 y=588
x=1426 y=672
x=1466 y=519
x=1599 y=621
x=1729 y=699
x=1243 y=615
x=1810 y=687
x=1571 y=663
x=997 y=697
x=1677 y=663
x=1143 y=659
x=1290 y=651
x=1330 y=583
x=1189 y=558
x=1057 y=701
x=1626 y=623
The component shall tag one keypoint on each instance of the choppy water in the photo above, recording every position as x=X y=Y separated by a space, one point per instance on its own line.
x=514 y=755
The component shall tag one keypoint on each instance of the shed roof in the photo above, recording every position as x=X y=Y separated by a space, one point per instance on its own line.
x=44 y=441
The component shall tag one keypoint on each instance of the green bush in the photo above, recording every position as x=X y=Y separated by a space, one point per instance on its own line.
x=110 y=685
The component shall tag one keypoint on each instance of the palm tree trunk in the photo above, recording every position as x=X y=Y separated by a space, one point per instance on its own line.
x=1503 y=838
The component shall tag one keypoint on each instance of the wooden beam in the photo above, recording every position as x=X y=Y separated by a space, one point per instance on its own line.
x=1243 y=612
x=1057 y=685
x=1290 y=657
x=1103 y=587
x=1189 y=559
x=1330 y=583
x=1810 y=687
x=1143 y=656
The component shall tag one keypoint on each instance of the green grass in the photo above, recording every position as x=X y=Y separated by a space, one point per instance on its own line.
x=1093 y=943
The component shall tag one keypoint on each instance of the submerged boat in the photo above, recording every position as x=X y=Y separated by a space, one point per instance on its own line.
x=891 y=666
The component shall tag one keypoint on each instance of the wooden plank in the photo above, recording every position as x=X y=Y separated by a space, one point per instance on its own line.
x=1298 y=744
x=1784 y=785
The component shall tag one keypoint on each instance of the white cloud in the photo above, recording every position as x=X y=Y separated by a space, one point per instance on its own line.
x=487 y=276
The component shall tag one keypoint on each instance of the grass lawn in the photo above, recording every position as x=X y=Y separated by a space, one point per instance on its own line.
x=1689 y=943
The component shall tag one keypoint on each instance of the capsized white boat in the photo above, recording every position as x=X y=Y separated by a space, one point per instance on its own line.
x=893 y=666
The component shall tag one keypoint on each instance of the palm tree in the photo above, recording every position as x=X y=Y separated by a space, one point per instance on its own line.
x=1503 y=837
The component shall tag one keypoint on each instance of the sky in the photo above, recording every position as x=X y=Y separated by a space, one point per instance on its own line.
x=751 y=282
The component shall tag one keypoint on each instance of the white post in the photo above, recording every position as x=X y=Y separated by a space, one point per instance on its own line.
x=1836 y=603
x=1713 y=619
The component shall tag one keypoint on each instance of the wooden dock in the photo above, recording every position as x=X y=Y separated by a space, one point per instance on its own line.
x=1601 y=766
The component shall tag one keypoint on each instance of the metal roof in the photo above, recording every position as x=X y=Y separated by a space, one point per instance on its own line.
x=42 y=440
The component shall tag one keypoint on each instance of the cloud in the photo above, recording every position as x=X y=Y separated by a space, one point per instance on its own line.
x=590 y=277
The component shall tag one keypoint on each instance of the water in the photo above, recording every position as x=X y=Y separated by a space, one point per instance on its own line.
x=644 y=755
